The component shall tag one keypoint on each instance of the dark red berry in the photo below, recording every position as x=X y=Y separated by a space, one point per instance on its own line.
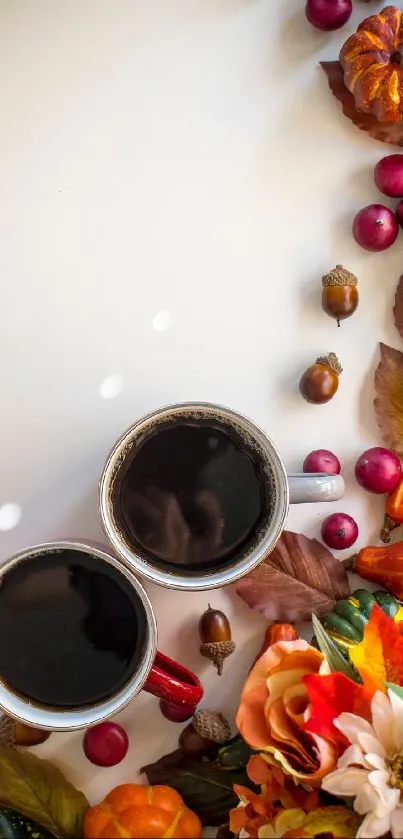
x=105 y=744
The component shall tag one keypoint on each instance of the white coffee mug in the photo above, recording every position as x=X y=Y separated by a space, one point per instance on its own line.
x=294 y=489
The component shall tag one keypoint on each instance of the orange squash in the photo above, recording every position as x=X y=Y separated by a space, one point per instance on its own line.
x=372 y=61
x=133 y=810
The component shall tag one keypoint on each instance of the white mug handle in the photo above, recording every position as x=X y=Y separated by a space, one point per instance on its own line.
x=314 y=486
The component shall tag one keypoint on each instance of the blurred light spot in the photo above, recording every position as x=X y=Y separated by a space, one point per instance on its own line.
x=162 y=321
x=111 y=387
x=10 y=515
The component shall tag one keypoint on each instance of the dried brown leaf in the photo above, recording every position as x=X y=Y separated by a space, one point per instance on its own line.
x=388 y=402
x=398 y=307
x=299 y=577
x=387 y=132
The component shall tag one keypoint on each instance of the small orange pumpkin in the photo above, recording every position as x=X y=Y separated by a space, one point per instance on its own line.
x=133 y=810
x=372 y=61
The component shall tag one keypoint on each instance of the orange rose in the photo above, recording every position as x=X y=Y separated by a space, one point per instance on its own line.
x=275 y=705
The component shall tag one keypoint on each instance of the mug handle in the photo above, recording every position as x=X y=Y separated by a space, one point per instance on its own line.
x=314 y=486
x=174 y=683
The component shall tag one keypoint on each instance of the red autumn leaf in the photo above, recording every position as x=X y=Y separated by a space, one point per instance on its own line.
x=299 y=577
x=329 y=697
x=398 y=307
x=388 y=402
x=387 y=132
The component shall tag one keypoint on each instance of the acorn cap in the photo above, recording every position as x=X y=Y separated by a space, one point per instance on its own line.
x=7 y=733
x=332 y=361
x=217 y=652
x=212 y=726
x=339 y=276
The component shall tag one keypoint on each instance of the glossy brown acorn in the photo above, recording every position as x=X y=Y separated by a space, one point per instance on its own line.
x=319 y=383
x=13 y=733
x=339 y=293
x=215 y=635
x=214 y=626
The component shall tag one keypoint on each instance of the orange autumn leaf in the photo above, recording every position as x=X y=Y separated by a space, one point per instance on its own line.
x=379 y=656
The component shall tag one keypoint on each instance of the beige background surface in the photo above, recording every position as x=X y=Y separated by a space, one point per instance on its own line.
x=175 y=177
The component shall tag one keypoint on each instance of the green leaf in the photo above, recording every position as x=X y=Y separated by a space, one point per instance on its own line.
x=397 y=689
x=336 y=660
x=205 y=788
x=38 y=790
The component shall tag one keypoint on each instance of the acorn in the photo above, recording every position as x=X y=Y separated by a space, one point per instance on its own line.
x=320 y=382
x=215 y=634
x=13 y=733
x=207 y=730
x=339 y=293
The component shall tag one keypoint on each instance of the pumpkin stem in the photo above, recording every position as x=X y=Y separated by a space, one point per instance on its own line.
x=349 y=563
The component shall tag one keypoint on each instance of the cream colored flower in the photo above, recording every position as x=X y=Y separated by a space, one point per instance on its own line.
x=371 y=768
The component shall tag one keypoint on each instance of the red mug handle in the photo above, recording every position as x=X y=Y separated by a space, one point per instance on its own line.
x=174 y=683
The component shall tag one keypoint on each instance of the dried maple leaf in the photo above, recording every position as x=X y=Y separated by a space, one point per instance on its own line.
x=299 y=577
x=386 y=132
x=388 y=402
x=398 y=307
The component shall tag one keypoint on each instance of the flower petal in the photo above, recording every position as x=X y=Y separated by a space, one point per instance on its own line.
x=351 y=726
x=396 y=822
x=382 y=721
x=345 y=781
x=296 y=703
x=366 y=800
x=397 y=708
x=374 y=761
x=389 y=797
x=250 y=719
x=371 y=744
x=281 y=681
x=288 y=820
x=352 y=755
x=267 y=832
x=275 y=657
x=373 y=827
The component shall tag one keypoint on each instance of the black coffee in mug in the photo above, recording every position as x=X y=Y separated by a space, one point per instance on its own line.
x=191 y=493
x=72 y=629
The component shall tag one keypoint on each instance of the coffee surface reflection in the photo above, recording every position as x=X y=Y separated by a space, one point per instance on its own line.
x=72 y=629
x=191 y=494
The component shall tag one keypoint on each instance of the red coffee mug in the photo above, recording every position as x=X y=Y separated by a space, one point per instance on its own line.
x=155 y=672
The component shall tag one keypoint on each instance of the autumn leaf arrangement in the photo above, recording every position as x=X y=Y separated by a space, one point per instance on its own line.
x=319 y=743
x=325 y=722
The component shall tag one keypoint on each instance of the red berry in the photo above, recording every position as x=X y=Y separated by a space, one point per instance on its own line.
x=105 y=744
x=378 y=470
x=375 y=227
x=339 y=531
x=175 y=713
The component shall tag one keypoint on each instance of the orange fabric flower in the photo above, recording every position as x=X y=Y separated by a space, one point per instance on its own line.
x=277 y=790
x=275 y=705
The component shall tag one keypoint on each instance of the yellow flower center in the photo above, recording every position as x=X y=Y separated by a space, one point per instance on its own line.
x=396 y=770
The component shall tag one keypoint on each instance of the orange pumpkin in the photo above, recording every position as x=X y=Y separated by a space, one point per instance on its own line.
x=372 y=61
x=133 y=810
